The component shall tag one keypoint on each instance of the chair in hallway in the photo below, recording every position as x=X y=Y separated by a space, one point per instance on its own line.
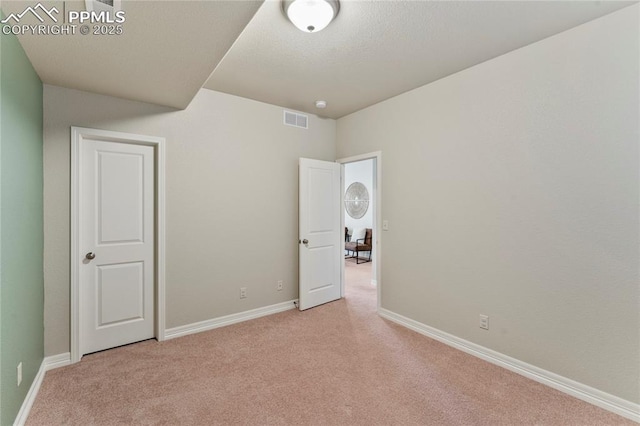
x=360 y=245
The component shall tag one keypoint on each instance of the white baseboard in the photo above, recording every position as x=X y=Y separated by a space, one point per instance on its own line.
x=48 y=363
x=197 y=327
x=581 y=391
x=57 y=361
x=21 y=418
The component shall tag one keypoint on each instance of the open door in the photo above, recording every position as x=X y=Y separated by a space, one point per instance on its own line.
x=320 y=243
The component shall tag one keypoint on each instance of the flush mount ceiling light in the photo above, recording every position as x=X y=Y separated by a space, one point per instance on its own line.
x=310 y=16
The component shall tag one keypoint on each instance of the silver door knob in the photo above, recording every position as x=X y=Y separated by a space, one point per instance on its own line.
x=90 y=255
x=305 y=241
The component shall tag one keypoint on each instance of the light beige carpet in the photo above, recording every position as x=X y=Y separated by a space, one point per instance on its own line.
x=337 y=364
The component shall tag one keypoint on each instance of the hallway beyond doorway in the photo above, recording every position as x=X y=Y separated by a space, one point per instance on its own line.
x=358 y=275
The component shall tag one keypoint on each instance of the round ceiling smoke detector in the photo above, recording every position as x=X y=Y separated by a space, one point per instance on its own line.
x=321 y=104
x=310 y=16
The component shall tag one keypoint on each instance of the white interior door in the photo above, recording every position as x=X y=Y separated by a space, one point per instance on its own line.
x=116 y=241
x=320 y=235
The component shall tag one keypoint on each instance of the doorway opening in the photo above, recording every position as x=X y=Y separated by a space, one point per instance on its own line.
x=360 y=216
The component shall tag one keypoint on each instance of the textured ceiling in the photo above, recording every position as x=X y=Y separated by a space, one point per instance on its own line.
x=378 y=49
x=372 y=51
x=167 y=50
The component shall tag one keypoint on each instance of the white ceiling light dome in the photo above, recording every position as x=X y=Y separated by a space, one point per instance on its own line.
x=311 y=16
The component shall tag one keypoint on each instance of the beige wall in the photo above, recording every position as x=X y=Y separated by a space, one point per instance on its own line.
x=232 y=205
x=511 y=190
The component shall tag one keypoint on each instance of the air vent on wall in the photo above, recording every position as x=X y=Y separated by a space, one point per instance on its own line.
x=296 y=120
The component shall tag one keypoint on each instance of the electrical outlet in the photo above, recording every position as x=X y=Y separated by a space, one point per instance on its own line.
x=279 y=287
x=19 y=373
x=243 y=293
x=484 y=321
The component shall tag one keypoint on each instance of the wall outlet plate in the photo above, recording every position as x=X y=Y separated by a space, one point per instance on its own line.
x=484 y=322
x=19 y=373
x=280 y=285
x=243 y=293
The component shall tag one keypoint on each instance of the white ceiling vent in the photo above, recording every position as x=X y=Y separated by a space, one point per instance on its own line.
x=296 y=120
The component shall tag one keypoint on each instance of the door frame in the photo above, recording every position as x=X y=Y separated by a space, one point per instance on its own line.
x=377 y=217
x=158 y=143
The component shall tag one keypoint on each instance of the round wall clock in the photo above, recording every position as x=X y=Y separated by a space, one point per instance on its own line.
x=356 y=200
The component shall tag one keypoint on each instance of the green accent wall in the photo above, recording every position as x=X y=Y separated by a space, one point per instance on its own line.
x=21 y=226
